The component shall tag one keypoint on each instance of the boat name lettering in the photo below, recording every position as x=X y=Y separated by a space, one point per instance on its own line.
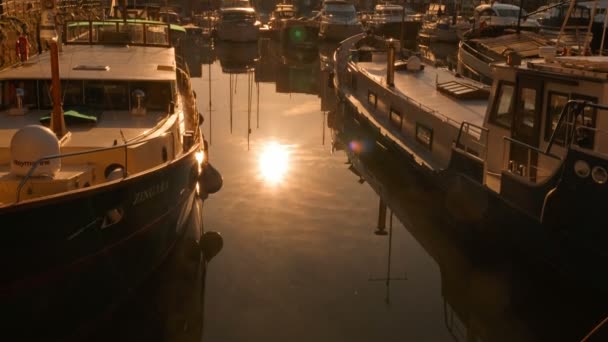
x=22 y=163
x=144 y=195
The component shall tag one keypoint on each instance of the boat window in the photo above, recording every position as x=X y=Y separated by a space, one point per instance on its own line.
x=424 y=135
x=157 y=95
x=585 y=132
x=502 y=114
x=25 y=90
x=528 y=106
x=555 y=104
x=372 y=98
x=109 y=95
x=396 y=118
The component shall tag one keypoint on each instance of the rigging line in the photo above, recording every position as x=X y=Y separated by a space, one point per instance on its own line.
x=596 y=328
x=257 y=85
x=390 y=244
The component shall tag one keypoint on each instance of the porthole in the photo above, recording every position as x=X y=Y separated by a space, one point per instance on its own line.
x=599 y=175
x=582 y=169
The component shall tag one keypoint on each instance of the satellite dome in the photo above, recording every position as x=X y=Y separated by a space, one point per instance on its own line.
x=31 y=143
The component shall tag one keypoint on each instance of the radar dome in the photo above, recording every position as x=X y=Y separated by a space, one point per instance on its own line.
x=31 y=143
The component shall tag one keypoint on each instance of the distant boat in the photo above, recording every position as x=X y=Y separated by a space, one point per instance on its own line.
x=238 y=24
x=524 y=162
x=440 y=26
x=338 y=20
x=387 y=18
x=102 y=168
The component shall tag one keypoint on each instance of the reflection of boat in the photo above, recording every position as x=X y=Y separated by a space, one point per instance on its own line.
x=93 y=199
x=523 y=166
x=236 y=58
x=489 y=294
x=338 y=20
x=238 y=24
x=279 y=17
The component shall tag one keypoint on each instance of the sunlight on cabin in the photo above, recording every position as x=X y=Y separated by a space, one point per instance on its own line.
x=274 y=162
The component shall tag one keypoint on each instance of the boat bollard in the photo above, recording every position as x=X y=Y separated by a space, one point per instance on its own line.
x=390 y=62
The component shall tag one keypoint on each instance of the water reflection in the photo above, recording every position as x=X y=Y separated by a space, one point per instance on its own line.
x=490 y=292
x=274 y=162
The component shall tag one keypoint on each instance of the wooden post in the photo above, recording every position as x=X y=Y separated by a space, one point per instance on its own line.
x=57 y=121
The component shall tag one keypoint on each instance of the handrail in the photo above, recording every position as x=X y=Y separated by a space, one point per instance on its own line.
x=483 y=135
x=577 y=106
x=73 y=154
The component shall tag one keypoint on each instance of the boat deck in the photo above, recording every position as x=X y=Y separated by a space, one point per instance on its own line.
x=421 y=88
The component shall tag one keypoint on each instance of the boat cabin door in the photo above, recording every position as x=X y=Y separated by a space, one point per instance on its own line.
x=526 y=127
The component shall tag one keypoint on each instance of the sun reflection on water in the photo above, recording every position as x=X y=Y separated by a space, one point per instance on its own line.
x=274 y=162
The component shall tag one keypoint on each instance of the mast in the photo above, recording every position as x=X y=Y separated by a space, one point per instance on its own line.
x=57 y=120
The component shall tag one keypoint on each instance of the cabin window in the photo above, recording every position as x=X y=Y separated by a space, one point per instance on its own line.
x=372 y=98
x=109 y=95
x=585 y=132
x=528 y=104
x=502 y=114
x=157 y=95
x=395 y=118
x=555 y=104
x=424 y=135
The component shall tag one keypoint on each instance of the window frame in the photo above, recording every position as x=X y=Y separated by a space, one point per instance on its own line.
x=493 y=119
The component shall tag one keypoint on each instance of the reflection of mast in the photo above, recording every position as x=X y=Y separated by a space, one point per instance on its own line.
x=210 y=115
x=323 y=140
x=249 y=99
x=382 y=231
x=257 y=85
x=231 y=98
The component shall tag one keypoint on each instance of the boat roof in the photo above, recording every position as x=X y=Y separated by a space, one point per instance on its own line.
x=525 y=44
x=590 y=67
x=172 y=27
x=237 y=9
x=496 y=5
x=420 y=88
x=388 y=6
x=101 y=62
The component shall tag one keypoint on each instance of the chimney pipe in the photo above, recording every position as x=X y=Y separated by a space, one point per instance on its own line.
x=390 y=62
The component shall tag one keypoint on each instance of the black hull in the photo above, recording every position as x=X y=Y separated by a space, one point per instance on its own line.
x=70 y=260
x=572 y=246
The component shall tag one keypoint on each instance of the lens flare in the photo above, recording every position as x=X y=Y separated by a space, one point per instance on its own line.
x=274 y=162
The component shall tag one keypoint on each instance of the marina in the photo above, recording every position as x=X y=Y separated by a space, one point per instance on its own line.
x=265 y=171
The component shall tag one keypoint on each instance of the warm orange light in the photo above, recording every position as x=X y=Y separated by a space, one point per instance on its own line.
x=274 y=162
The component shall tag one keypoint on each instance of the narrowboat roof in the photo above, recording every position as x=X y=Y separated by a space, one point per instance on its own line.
x=99 y=62
x=237 y=9
x=108 y=22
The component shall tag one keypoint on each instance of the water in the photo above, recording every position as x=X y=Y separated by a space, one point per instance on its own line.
x=298 y=214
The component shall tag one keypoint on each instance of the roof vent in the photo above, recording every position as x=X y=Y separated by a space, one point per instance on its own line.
x=92 y=67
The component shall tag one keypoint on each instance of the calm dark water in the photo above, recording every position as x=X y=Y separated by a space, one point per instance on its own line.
x=298 y=211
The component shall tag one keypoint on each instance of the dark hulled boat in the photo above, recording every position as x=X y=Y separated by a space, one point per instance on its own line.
x=94 y=198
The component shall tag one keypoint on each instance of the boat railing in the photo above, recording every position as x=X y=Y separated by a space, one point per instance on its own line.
x=115 y=31
x=473 y=140
x=124 y=147
x=537 y=166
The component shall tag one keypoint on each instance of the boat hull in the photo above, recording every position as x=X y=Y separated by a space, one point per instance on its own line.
x=71 y=260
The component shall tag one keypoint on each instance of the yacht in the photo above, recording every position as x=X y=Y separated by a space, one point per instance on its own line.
x=279 y=17
x=524 y=161
x=440 y=26
x=338 y=20
x=103 y=167
x=390 y=19
x=238 y=24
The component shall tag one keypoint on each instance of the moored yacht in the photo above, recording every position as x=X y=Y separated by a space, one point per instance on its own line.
x=338 y=20
x=390 y=20
x=524 y=161
x=102 y=168
x=440 y=26
x=238 y=24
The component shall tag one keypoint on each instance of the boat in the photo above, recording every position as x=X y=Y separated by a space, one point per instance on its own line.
x=439 y=26
x=338 y=20
x=523 y=161
x=499 y=15
x=476 y=55
x=281 y=14
x=238 y=24
x=389 y=19
x=487 y=291
x=103 y=167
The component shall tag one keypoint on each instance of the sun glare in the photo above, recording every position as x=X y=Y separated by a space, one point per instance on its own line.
x=274 y=162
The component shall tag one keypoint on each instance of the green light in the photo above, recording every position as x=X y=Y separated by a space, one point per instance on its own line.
x=297 y=34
